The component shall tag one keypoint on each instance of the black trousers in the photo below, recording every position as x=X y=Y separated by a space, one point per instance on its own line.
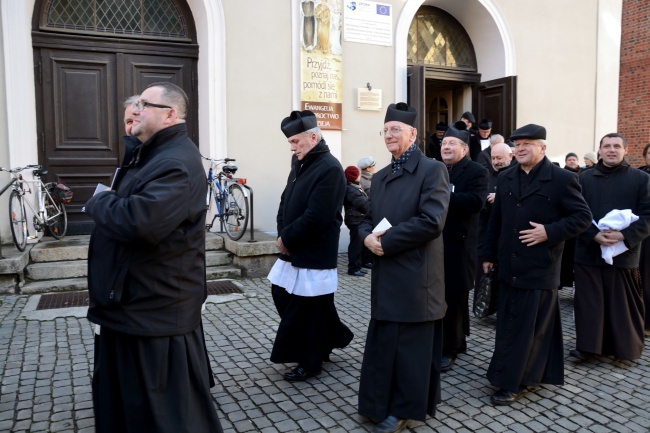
x=354 y=249
x=455 y=324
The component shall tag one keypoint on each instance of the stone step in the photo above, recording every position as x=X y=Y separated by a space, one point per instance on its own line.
x=217 y=272
x=213 y=242
x=68 y=248
x=57 y=270
x=217 y=258
x=63 y=285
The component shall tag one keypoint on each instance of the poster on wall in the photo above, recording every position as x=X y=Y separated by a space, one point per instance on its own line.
x=368 y=22
x=321 y=60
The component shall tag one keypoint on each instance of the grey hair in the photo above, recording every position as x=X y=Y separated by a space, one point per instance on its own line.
x=541 y=142
x=130 y=101
x=317 y=131
x=496 y=138
x=174 y=96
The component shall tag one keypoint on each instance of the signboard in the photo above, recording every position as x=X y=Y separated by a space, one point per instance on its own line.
x=368 y=22
x=321 y=79
x=368 y=99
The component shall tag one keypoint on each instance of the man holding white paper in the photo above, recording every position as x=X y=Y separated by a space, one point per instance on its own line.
x=608 y=300
x=400 y=375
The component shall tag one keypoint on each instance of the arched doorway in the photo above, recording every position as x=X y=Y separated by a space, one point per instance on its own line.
x=89 y=56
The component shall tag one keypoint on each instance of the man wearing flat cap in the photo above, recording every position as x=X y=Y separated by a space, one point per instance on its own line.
x=367 y=167
x=304 y=277
x=537 y=207
x=433 y=143
x=469 y=183
x=400 y=374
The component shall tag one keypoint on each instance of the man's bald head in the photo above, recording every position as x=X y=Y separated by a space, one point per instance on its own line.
x=501 y=155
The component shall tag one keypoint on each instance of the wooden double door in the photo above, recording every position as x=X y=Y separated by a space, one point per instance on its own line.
x=81 y=84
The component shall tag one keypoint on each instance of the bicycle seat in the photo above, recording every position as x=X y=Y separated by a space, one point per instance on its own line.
x=39 y=173
x=229 y=169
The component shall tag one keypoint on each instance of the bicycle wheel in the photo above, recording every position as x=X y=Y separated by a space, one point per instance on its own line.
x=236 y=212
x=18 y=219
x=57 y=218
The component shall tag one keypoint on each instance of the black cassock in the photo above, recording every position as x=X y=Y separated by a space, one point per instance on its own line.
x=309 y=329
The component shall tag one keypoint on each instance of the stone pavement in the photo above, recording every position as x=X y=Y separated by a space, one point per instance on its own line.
x=46 y=365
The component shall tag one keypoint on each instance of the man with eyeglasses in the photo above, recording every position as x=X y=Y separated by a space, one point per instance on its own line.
x=537 y=207
x=400 y=374
x=146 y=279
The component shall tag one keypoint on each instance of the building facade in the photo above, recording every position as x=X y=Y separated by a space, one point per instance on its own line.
x=67 y=65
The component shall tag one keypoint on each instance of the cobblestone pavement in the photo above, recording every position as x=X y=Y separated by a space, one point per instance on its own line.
x=46 y=368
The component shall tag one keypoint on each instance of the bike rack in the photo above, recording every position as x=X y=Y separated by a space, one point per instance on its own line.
x=252 y=230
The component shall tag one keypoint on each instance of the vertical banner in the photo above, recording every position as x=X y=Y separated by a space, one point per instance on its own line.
x=320 y=61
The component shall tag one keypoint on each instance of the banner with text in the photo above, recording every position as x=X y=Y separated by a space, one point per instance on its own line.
x=368 y=22
x=320 y=61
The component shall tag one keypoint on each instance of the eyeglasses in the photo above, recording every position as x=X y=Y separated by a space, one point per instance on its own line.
x=141 y=105
x=394 y=130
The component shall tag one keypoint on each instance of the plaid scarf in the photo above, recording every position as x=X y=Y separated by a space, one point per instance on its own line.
x=399 y=162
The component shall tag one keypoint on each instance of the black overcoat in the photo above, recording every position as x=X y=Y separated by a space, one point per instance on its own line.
x=553 y=199
x=460 y=235
x=408 y=280
x=485 y=158
x=310 y=212
x=624 y=188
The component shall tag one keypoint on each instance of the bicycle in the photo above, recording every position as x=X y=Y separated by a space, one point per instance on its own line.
x=230 y=198
x=51 y=214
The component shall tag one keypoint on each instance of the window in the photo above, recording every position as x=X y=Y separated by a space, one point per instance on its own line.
x=136 y=18
x=436 y=38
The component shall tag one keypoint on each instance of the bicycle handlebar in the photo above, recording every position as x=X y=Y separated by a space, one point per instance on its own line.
x=19 y=169
x=218 y=161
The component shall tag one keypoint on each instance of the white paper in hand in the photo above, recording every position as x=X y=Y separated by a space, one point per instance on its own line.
x=383 y=225
x=101 y=188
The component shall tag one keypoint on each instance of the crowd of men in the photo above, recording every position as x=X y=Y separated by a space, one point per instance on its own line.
x=432 y=228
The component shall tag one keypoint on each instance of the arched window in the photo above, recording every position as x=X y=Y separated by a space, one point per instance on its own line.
x=130 y=18
x=437 y=39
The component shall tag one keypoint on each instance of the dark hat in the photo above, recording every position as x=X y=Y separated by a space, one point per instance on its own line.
x=485 y=124
x=401 y=112
x=469 y=116
x=351 y=173
x=441 y=126
x=461 y=134
x=570 y=154
x=531 y=130
x=297 y=122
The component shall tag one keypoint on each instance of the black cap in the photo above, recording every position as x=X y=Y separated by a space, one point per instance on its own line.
x=401 y=112
x=469 y=116
x=461 y=134
x=441 y=126
x=485 y=124
x=531 y=130
x=297 y=122
x=570 y=154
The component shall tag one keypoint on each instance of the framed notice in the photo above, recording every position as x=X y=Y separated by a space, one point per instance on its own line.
x=321 y=80
x=368 y=22
x=369 y=99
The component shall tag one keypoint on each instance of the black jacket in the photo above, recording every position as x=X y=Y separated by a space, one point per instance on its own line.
x=407 y=283
x=309 y=217
x=474 y=143
x=485 y=158
x=553 y=199
x=484 y=216
x=355 y=204
x=460 y=235
x=146 y=259
x=623 y=187
x=433 y=147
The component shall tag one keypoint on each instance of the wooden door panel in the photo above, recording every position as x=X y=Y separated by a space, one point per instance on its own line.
x=497 y=100
x=416 y=84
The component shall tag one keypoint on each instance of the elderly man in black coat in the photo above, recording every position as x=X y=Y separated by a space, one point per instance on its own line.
x=400 y=374
x=609 y=310
x=469 y=183
x=304 y=278
x=537 y=207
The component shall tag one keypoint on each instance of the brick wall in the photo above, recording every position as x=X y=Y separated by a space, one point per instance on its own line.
x=634 y=80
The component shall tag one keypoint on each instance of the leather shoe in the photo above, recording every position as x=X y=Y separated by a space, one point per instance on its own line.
x=368 y=265
x=356 y=273
x=580 y=355
x=390 y=425
x=503 y=397
x=447 y=362
x=299 y=374
x=363 y=271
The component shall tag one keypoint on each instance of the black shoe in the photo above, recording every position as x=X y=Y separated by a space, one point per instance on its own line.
x=390 y=425
x=580 y=355
x=367 y=265
x=363 y=271
x=447 y=362
x=299 y=374
x=503 y=397
x=356 y=273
